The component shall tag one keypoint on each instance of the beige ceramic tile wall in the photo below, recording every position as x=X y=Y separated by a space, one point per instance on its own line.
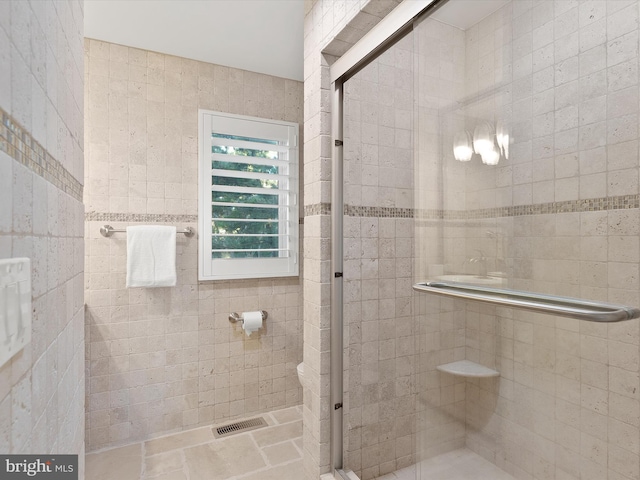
x=567 y=401
x=329 y=27
x=167 y=359
x=42 y=387
x=379 y=360
x=567 y=404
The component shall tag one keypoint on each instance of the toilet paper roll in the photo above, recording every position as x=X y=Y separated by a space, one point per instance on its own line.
x=252 y=322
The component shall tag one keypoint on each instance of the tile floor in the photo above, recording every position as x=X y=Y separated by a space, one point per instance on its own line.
x=269 y=453
x=460 y=464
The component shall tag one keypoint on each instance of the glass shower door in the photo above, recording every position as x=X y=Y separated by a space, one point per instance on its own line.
x=379 y=342
x=526 y=178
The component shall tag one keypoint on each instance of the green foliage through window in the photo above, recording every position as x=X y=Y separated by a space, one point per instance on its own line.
x=241 y=227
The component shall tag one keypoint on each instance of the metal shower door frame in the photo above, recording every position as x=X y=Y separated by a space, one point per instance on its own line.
x=370 y=46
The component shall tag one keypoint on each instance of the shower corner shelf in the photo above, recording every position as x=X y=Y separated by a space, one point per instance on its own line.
x=467 y=368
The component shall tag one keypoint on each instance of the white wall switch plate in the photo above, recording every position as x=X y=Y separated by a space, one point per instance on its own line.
x=15 y=306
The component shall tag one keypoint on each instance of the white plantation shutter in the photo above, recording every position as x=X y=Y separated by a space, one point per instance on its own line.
x=248 y=197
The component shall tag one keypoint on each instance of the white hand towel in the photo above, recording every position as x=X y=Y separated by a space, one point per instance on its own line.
x=151 y=256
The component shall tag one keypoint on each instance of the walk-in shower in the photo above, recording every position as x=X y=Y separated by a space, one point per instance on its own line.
x=486 y=151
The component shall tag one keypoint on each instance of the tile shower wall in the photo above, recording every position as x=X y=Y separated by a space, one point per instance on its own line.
x=41 y=217
x=167 y=359
x=379 y=356
x=565 y=77
x=330 y=28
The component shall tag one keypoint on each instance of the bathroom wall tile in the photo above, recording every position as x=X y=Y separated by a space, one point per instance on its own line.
x=623 y=182
x=623 y=463
x=330 y=20
x=593 y=186
x=593 y=112
x=5 y=77
x=622 y=48
x=39 y=196
x=622 y=75
x=182 y=333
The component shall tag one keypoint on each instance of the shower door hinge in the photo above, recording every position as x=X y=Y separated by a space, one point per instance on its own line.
x=337 y=274
x=339 y=143
x=337 y=406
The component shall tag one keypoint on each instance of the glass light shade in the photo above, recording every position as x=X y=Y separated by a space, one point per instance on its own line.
x=502 y=137
x=462 y=150
x=483 y=138
x=490 y=157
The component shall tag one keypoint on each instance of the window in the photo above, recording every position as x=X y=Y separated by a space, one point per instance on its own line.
x=248 y=197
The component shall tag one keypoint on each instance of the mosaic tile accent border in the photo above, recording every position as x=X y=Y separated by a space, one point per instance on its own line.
x=571 y=206
x=21 y=146
x=620 y=202
x=429 y=214
x=359 y=211
x=317 y=209
x=387 y=212
x=139 y=217
x=142 y=217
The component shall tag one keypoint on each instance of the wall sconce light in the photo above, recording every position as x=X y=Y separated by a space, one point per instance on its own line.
x=490 y=144
x=483 y=138
x=490 y=157
x=502 y=137
x=462 y=147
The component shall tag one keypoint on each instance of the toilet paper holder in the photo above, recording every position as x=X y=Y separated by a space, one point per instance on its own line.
x=236 y=317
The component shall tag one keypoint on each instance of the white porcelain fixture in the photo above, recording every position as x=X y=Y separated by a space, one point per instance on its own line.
x=301 y=378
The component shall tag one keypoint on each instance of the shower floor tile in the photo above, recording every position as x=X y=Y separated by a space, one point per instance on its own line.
x=273 y=452
x=460 y=464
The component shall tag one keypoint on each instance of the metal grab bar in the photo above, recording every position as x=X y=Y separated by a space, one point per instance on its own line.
x=108 y=230
x=535 y=302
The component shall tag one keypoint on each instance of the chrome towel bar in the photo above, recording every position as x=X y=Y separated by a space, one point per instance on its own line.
x=535 y=302
x=108 y=230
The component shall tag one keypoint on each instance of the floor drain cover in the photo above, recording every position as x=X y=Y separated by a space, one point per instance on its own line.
x=239 y=427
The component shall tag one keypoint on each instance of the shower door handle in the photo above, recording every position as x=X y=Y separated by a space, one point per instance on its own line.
x=535 y=302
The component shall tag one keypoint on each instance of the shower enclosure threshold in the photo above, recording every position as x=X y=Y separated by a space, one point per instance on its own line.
x=340 y=475
x=462 y=464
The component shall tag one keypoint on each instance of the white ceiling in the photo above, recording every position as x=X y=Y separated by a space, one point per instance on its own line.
x=264 y=36
x=466 y=13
